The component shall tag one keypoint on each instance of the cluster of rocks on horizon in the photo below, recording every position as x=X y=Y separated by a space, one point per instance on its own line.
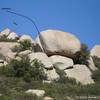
x=56 y=49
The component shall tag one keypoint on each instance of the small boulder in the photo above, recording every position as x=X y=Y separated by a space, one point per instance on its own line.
x=5 y=32
x=39 y=93
x=95 y=51
x=45 y=81
x=24 y=53
x=12 y=36
x=61 y=62
x=81 y=73
x=6 y=50
x=48 y=98
x=51 y=75
x=26 y=37
x=43 y=58
x=18 y=58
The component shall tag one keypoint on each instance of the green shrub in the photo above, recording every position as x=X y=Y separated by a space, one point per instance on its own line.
x=96 y=75
x=23 y=68
x=24 y=45
x=83 y=55
x=37 y=71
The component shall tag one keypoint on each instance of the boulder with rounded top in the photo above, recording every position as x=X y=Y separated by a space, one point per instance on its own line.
x=58 y=42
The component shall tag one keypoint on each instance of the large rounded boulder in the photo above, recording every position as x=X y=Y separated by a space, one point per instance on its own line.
x=58 y=42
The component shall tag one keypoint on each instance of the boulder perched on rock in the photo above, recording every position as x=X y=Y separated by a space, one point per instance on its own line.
x=51 y=75
x=81 y=73
x=39 y=93
x=12 y=36
x=26 y=37
x=43 y=58
x=5 y=49
x=95 y=51
x=58 y=42
x=61 y=62
x=5 y=32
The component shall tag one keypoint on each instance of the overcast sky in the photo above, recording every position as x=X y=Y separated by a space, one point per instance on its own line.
x=80 y=17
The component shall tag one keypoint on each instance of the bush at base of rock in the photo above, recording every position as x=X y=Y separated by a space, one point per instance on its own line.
x=96 y=75
x=83 y=55
x=24 y=45
x=23 y=69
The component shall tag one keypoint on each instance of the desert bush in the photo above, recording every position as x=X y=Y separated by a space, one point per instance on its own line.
x=83 y=55
x=96 y=75
x=24 y=45
x=22 y=68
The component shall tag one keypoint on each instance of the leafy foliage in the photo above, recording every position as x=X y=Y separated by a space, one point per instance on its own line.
x=22 y=68
x=24 y=45
x=84 y=55
x=96 y=75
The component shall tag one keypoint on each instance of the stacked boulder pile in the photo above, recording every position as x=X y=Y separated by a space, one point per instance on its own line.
x=55 y=50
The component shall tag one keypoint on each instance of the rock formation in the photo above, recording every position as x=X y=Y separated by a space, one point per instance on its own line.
x=59 y=49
